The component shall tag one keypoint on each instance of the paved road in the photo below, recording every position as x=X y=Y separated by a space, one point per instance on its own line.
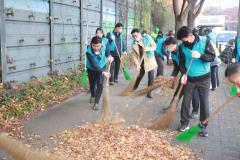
x=223 y=142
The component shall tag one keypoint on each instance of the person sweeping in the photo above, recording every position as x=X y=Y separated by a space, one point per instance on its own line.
x=232 y=73
x=160 y=53
x=143 y=57
x=117 y=48
x=201 y=51
x=171 y=44
x=97 y=58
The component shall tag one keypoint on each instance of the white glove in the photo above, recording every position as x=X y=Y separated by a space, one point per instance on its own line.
x=138 y=67
x=184 y=79
x=233 y=60
x=147 y=49
x=106 y=74
x=196 y=54
x=110 y=59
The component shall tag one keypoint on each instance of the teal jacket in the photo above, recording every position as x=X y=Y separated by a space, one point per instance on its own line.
x=96 y=62
x=201 y=66
x=160 y=48
x=236 y=52
x=212 y=37
x=112 y=36
x=146 y=41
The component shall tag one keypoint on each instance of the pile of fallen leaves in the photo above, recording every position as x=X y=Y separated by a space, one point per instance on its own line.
x=96 y=141
x=24 y=100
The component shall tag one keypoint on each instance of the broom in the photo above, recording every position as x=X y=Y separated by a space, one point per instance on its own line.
x=129 y=88
x=84 y=77
x=166 y=119
x=188 y=135
x=20 y=151
x=106 y=113
x=125 y=71
x=159 y=83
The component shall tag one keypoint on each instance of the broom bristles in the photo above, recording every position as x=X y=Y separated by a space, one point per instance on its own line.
x=147 y=90
x=84 y=78
x=19 y=151
x=166 y=120
x=106 y=113
x=128 y=90
x=162 y=83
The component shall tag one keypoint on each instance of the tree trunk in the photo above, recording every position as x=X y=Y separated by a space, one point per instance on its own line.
x=178 y=24
x=180 y=13
x=238 y=27
x=191 y=19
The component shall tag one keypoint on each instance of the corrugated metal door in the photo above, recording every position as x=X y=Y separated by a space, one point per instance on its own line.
x=108 y=15
x=91 y=16
x=27 y=52
x=66 y=34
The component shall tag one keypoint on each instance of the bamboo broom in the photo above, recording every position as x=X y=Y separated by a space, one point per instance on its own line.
x=129 y=88
x=19 y=151
x=106 y=113
x=166 y=120
x=159 y=83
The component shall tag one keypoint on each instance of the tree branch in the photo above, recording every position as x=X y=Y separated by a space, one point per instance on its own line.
x=185 y=11
x=199 y=8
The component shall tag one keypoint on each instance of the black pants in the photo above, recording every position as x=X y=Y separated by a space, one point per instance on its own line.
x=203 y=90
x=115 y=66
x=95 y=78
x=195 y=100
x=160 y=64
x=142 y=72
x=214 y=77
x=195 y=97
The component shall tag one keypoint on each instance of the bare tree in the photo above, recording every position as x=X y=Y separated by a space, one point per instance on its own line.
x=195 y=9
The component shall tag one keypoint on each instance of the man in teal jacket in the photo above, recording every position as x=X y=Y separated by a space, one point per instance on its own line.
x=201 y=51
x=97 y=58
x=116 y=44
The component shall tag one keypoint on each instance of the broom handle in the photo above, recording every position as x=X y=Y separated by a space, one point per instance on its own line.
x=85 y=45
x=220 y=108
x=118 y=53
x=108 y=64
x=188 y=69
